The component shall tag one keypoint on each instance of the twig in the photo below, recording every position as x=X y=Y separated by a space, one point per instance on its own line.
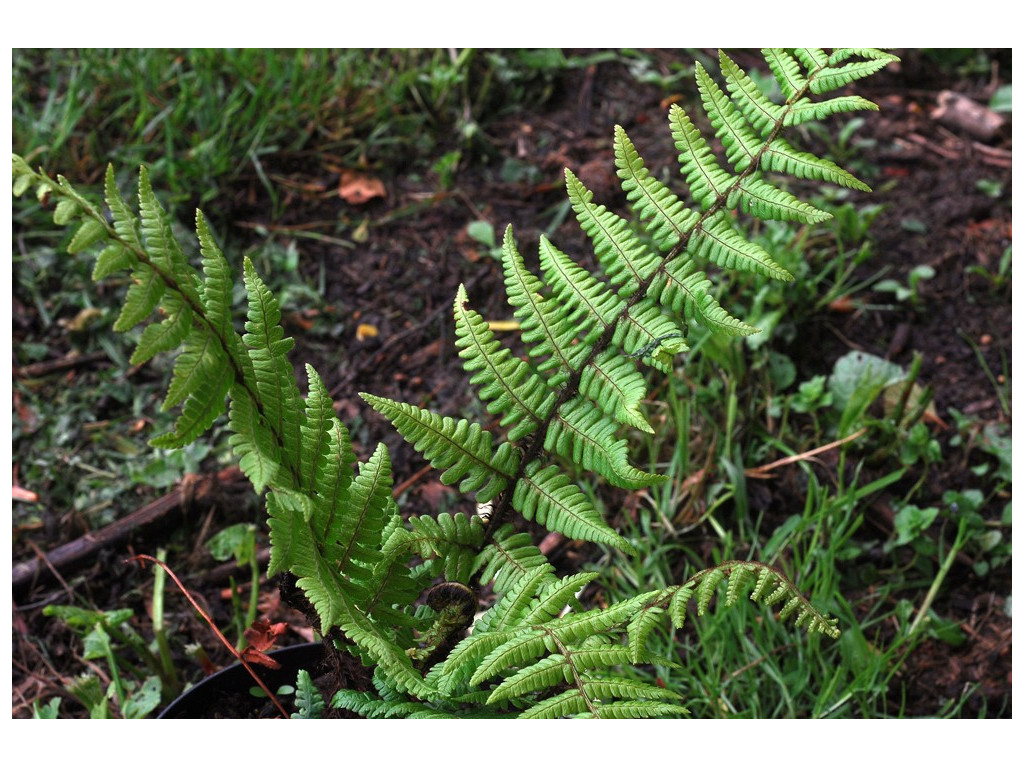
x=162 y=511
x=762 y=471
x=35 y=370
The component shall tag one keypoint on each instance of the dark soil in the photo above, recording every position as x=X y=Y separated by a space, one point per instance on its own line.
x=403 y=278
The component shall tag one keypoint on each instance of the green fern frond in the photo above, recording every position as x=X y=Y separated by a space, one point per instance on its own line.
x=161 y=245
x=805 y=111
x=142 y=298
x=461 y=449
x=546 y=495
x=166 y=335
x=509 y=557
x=280 y=401
x=718 y=241
x=613 y=384
x=686 y=290
x=368 y=705
x=670 y=220
x=742 y=145
x=834 y=77
x=626 y=260
x=542 y=320
x=638 y=709
x=640 y=628
x=782 y=158
x=556 y=597
x=530 y=643
x=586 y=437
x=309 y=702
x=763 y=583
x=509 y=611
x=451 y=541
x=504 y=382
x=761 y=112
x=787 y=71
x=353 y=540
x=755 y=196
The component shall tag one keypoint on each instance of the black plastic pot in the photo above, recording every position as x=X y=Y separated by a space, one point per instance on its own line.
x=226 y=693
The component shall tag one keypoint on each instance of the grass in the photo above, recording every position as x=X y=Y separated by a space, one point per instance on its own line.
x=738 y=404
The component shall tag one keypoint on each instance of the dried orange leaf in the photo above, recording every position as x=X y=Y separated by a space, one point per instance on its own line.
x=357 y=188
x=21 y=494
x=366 y=331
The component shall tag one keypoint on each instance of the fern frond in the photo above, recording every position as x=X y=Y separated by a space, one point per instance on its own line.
x=638 y=709
x=353 y=541
x=808 y=111
x=504 y=382
x=707 y=180
x=542 y=321
x=755 y=579
x=718 y=241
x=670 y=220
x=782 y=158
x=640 y=628
x=259 y=455
x=740 y=142
x=557 y=596
x=834 y=77
x=508 y=558
x=687 y=292
x=142 y=297
x=528 y=644
x=166 y=335
x=786 y=70
x=451 y=541
x=161 y=246
x=764 y=201
x=813 y=59
x=509 y=611
x=461 y=449
x=589 y=299
x=126 y=225
x=546 y=495
x=280 y=401
x=586 y=437
x=626 y=260
x=760 y=111
x=368 y=705
x=614 y=385
x=309 y=702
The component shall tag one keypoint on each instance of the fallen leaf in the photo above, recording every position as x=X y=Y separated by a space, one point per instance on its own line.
x=262 y=634
x=842 y=304
x=20 y=494
x=432 y=493
x=366 y=331
x=357 y=188
x=253 y=656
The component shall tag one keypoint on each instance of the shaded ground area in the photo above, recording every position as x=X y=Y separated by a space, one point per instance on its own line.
x=383 y=326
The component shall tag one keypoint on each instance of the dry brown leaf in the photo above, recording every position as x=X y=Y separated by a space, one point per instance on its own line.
x=21 y=494
x=262 y=634
x=357 y=188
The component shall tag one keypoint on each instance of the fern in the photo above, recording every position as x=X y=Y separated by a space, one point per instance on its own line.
x=569 y=409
